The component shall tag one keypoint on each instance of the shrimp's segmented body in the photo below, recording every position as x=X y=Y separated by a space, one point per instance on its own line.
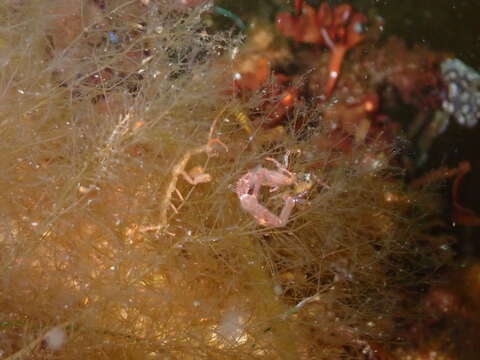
x=248 y=189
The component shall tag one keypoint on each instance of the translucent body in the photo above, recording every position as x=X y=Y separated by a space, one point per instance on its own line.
x=248 y=188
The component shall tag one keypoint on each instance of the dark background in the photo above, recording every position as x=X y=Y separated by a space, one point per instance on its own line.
x=451 y=26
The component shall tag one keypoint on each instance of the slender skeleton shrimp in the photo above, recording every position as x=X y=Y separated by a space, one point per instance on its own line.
x=248 y=189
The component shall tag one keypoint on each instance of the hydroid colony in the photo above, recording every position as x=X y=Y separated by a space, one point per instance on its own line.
x=109 y=252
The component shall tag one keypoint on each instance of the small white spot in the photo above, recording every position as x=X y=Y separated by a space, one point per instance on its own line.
x=333 y=74
x=448 y=107
x=444 y=247
x=231 y=327
x=55 y=338
x=234 y=53
x=452 y=90
x=278 y=290
x=358 y=28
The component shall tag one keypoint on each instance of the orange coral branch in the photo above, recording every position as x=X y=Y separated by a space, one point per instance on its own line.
x=338 y=28
x=334 y=65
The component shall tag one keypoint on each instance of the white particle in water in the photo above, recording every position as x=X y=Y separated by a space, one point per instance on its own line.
x=55 y=338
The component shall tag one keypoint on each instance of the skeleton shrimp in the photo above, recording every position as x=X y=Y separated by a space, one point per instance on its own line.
x=248 y=189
